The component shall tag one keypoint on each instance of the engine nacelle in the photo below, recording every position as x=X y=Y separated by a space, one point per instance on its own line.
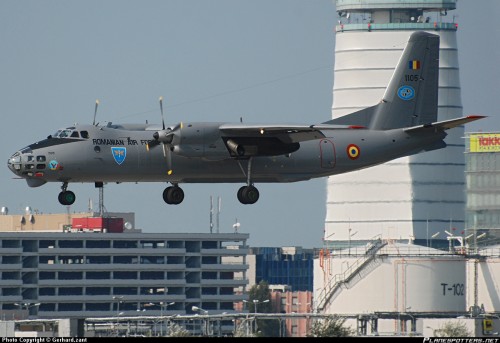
x=235 y=147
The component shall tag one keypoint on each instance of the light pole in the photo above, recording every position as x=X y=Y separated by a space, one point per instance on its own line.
x=350 y=236
x=434 y=236
x=162 y=305
x=207 y=322
x=119 y=300
x=255 y=303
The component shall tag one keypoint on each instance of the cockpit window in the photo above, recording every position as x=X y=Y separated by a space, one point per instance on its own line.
x=84 y=134
x=63 y=133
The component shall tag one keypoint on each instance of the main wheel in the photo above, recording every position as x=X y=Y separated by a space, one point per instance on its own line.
x=66 y=198
x=248 y=195
x=173 y=195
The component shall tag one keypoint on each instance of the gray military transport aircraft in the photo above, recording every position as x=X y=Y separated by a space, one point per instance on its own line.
x=402 y=124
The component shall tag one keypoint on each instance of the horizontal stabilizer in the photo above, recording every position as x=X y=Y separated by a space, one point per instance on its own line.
x=444 y=125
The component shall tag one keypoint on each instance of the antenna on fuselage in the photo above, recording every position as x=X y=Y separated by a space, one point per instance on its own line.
x=95 y=110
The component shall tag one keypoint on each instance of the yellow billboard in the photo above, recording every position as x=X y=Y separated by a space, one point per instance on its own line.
x=484 y=142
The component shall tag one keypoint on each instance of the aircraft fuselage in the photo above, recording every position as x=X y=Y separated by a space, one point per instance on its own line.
x=109 y=154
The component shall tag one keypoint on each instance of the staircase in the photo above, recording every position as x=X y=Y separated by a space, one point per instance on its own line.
x=337 y=280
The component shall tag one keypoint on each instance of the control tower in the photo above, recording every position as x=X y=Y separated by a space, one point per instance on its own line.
x=413 y=197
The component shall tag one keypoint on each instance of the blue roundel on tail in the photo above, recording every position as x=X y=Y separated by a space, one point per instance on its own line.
x=406 y=93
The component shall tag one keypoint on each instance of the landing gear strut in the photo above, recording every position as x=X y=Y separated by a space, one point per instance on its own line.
x=66 y=197
x=248 y=194
x=173 y=195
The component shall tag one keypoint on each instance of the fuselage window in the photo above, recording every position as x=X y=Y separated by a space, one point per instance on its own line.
x=40 y=158
x=40 y=166
x=84 y=134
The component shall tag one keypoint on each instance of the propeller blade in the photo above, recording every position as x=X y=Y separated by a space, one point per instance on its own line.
x=161 y=111
x=95 y=110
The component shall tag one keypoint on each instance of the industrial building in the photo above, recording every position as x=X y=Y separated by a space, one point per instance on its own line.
x=396 y=286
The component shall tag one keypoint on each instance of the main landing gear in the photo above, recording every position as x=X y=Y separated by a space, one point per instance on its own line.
x=173 y=195
x=66 y=197
x=248 y=194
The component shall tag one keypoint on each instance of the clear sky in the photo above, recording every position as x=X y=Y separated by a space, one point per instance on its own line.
x=218 y=60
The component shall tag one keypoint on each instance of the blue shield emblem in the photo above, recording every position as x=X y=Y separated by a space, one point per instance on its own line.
x=119 y=154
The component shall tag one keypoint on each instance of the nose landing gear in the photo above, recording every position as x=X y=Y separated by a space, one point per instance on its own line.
x=173 y=195
x=66 y=197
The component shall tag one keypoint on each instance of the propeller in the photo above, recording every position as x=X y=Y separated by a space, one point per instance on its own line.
x=167 y=137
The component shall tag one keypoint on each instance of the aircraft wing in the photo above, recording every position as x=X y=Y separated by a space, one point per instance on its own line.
x=285 y=133
x=444 y=125
x=243 y=140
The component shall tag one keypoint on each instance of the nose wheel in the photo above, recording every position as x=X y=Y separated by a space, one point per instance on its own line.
x=173 y=195
x=66 y=197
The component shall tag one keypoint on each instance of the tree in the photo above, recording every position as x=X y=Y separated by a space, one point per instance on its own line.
x=262 y=295
x=178 y=331
x=453 y=329
x=332 y=326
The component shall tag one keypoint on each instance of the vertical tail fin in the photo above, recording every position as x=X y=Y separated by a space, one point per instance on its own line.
x=412 y=95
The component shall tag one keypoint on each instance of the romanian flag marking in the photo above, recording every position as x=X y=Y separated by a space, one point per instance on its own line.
x=414 y=64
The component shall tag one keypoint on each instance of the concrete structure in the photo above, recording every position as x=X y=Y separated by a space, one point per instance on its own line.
x=414 y=196
x=78 y=275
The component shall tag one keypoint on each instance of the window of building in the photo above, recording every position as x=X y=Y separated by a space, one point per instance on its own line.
x=70 y=307
x=98 y=275
x=46 y=291
x=70 y=275
x=98 y=291
x=98 y=259
x=98 y=244
x=63 y=291
x=125 y=275
x=47 y=275
x=97 y=307
x=70 y=244
x=152 y=275
x=125 y=290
